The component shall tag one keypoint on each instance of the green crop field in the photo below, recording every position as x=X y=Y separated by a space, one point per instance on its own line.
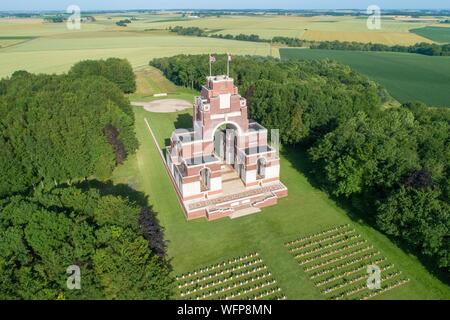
x=438 y=34
x=196 y=244
x=406 y=76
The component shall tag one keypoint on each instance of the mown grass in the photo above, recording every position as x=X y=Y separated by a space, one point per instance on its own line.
x=407 y=76
x=151 y=81
x=306 y=210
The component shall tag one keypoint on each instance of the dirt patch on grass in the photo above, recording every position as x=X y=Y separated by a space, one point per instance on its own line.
x=164 y=106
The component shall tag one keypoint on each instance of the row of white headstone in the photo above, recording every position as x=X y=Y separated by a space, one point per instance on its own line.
x=267 y=293
x=358 y=268
x=389 y=287
x=330 y=253
x=323 y=247
x=230 y=287
x=218 y=265
x=342 y=257
x=354 y=280
x=345 y=264
x=318 y=234
x=234 y=277
x=319 y=241
x=220 y=273
x=255 y=288
x=364 y=286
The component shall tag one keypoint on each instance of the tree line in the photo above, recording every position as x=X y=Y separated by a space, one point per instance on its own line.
x=391 y=164
x=199 y=32
x=61 y=136
x=429 y=49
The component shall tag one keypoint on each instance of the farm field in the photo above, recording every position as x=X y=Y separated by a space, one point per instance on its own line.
x=406 y=76
x=39 y=46
x=198 y=244
x=437 y=34
x=51 y=48
x=57 y=54
x=345 y=28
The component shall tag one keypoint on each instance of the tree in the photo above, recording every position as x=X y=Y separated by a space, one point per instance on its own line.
x=118 y=71
x=420 y=218
x=368 y=153
x=41 y=235
x=53 y=130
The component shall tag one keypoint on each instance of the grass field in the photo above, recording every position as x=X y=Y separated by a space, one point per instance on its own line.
x=406 y=76
x=437 y=34
x=306 y=210
x=58 y=53
x=150 y=81
x=51 y=48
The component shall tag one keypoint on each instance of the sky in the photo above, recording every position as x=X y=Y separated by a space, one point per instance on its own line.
x=27 y=5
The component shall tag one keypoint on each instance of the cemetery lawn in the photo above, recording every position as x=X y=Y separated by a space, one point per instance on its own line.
x=306 y=210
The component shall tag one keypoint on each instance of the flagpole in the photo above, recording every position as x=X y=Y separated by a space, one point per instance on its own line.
x=228 y=64
x=210 y=68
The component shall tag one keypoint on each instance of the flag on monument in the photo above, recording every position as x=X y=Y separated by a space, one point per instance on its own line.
x=212 y=58
x=230 y=57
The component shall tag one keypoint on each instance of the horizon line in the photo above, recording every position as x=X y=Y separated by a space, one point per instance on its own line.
x=223 y=9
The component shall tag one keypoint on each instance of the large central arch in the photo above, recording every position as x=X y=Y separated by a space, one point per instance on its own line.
x=225 y=141
x=237 y=126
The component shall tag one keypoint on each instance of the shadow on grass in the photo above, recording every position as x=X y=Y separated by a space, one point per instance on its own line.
x=183 y=121
x=152 y=230
x=358 y=210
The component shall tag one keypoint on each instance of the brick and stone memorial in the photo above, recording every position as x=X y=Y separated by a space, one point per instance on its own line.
x=223 y=166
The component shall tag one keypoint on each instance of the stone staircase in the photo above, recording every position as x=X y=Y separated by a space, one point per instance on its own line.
x=248 y=203
x=244 y=212
x=228 y=174
x=236 y=200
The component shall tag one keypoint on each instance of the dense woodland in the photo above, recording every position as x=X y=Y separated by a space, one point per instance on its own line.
x=59 y=133
x=391 y=164
x=45 y=232
x=116 y=70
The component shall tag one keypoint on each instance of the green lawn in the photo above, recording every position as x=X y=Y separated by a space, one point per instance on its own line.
x=306 y=210
x=407 y=76
x=150 y=81
x=438 y=34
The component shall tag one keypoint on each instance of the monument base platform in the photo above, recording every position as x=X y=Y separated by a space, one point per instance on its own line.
x=235 y=204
